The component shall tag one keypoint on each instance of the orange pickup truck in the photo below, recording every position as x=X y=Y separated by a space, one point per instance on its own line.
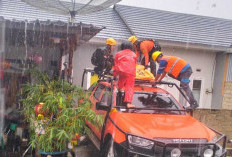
x=158 y=126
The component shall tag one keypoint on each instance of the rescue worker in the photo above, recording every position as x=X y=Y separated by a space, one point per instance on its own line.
x=103 y=58
x=145 y=47
x=125 y=68
x=178 y=69
x=110 y=45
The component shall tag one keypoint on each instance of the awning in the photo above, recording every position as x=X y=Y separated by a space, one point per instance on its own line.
x=28 y=36
x=38 y=32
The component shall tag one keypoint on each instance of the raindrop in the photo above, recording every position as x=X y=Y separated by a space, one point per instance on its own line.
x=198 y=3
x=25 y=44
x=33 y=36
x=214 y=5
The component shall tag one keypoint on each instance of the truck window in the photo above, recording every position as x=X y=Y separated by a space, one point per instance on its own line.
x=107 y=96
x=98 y=91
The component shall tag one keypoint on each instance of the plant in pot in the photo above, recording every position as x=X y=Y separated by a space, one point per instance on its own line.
x=51 y=107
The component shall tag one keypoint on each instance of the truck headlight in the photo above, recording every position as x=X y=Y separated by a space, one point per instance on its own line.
x=175 y=152
x=208 y=153
x=140 y=142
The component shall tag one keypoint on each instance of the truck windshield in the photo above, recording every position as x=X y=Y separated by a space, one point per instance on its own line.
x=152 y=103
x=154 y=100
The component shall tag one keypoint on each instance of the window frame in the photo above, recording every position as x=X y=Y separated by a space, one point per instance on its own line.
x=108 y=90
x=100 y=95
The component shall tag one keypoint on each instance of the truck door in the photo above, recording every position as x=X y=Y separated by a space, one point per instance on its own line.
x=103 y=94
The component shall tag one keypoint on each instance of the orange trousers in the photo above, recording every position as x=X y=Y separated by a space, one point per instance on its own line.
x=127 y=82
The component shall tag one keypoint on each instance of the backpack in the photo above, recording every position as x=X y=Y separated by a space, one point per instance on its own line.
x=98 y=57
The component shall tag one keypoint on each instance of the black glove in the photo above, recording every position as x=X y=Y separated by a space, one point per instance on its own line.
x=115 y=78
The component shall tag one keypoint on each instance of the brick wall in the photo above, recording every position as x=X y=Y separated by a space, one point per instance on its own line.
x=220 y=120
x=227 y=98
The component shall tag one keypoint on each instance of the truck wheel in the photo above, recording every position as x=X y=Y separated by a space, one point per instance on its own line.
x=109 y=149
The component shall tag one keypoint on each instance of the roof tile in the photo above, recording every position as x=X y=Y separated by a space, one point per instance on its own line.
x=16 y=9
x=164 y=25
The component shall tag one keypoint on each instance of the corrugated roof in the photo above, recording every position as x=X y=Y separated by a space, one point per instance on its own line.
x=170 y=26
x=145 y=23
x=16 y=9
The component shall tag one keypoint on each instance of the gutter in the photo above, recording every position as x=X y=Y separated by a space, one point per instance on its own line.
x=97 y=40
x=168 y=44
x=213 y=48
x=229 y=50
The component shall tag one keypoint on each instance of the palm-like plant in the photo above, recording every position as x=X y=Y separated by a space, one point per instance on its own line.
x=63 y=115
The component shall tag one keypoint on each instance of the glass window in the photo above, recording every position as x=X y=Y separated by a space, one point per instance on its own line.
x=92 y=88
x=152 y=102
x=107 y=98
x=98 y=91
x=197 y=90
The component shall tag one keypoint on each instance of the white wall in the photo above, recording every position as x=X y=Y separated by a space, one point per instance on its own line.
x=82 y=59
x=198 y=59
x=203 y=60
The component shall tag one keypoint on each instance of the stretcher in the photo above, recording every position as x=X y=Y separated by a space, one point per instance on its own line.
x=143 y=74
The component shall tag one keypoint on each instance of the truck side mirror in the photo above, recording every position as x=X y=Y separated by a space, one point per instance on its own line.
x=102 y=106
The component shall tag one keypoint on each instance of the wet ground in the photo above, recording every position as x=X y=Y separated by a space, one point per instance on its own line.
x=86 y=151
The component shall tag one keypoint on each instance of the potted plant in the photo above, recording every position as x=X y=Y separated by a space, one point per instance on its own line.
x=54 y=115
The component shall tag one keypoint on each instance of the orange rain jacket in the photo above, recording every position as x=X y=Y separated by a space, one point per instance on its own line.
x=125 y=63
x=125 y=67
x=145 y=47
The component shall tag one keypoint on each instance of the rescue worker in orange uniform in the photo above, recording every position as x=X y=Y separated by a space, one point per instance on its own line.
x=178 y=69
x=125 y=68
x=145 y=47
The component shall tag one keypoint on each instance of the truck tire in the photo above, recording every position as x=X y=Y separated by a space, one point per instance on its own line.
x=109 y=149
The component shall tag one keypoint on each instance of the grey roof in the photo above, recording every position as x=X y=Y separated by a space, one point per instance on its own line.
x=145 y=23
x=170 y=26
x=16 y=9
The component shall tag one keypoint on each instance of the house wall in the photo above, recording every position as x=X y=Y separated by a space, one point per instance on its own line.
x=227 y=97
x=229 y=68
x=82 y=60
x=220 y=120
x=218 y=80
x=227 y=90
x=198 y=59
